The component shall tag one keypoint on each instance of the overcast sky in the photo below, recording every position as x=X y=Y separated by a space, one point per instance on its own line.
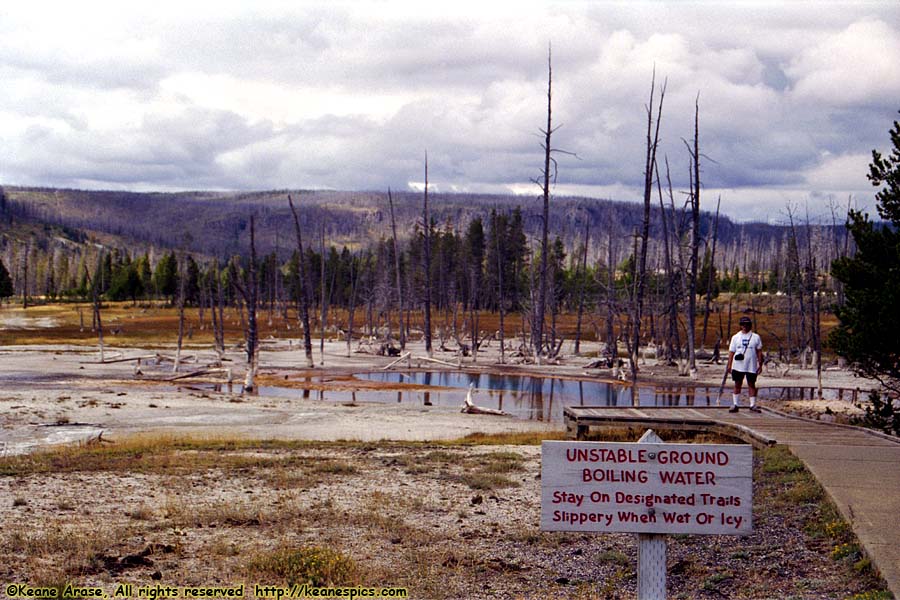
x=264 y=95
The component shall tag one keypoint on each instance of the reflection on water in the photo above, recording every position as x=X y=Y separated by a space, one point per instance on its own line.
x=538 y=398
x=811 y=393
x=533 y=398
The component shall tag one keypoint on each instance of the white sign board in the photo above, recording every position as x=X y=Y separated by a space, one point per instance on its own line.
x=647 y=488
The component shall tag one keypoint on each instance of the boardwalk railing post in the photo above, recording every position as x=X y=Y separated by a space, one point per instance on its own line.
x=651 y=572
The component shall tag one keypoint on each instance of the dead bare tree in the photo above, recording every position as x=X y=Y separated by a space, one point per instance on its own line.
x=611 y=345
x=248 y=289
x=302 y=289
x=501 y=299
x=710 y=280
x=217 y=306
x=539 y=305
x=583 y=284
x=839 y=248
x=25 y=279
x=695 y=238
x=402 y=332
x=797 y=281
x=673 y=344
x=815 y=304
x=354 y=280
x=641 y=270
x=182 y=277
x=426 y=254
x=95 y=303
x=537 y=323
x=323 y=303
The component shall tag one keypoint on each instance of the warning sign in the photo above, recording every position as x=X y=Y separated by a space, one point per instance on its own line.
x=647 y=488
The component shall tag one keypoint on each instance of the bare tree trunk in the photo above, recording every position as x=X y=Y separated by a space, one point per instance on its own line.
x=181 y=281
x=814 y=305
x=201 y=308
x=501 y=299
x=370 y=316
x=252 y=327
x=794 y=260
x=553 y=315
x=303 y=290
x=473 y=317
x=611 y=346
x=249 y=290
x=695 y=239
x=817 y=334
x=397 y=273
x=677 y=236
x=427 y=258
x=641 y=270
x=354 y=278
x=537 y=324
x=95 y=293
x=632 y=341
x=217 y=310
x=710 y=280
x=25 y=278
x=671 y=295
x=587 y=238
x=323 y=303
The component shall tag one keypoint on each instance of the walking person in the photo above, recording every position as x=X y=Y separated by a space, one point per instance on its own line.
x=745 y=359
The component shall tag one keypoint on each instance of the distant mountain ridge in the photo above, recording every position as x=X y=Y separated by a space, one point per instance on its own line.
x=216 y=223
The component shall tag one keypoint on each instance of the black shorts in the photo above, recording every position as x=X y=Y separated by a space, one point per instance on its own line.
x=738 y=377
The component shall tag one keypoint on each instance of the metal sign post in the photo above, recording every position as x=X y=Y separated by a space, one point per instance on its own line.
x=651 y=571
x=649 y=488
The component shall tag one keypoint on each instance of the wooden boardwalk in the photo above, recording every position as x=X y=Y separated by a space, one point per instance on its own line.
x=859 y=469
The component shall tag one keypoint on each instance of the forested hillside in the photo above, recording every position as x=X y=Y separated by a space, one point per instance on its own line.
x=215 y=223
x=483 y=254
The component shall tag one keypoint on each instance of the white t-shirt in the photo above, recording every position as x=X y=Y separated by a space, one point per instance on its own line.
x=747 y=344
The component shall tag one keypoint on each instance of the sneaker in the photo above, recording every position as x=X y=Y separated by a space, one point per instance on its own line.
x=755 y=409
x=733 y=409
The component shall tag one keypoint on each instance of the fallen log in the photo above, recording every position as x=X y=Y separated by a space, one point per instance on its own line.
x=163 y=358
x=199 y=373
x=470 y=407
x=118 y=360
x=402 y=356
x=97 y=441
x=438 y=361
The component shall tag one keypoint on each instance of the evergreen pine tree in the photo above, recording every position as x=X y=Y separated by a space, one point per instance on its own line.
x=869 y=329
x=6 y=286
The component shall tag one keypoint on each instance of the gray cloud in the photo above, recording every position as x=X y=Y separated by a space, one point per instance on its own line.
x=351 y=97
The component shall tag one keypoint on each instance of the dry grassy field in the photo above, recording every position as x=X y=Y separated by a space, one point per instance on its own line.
x=128 y=324
x=455 y=519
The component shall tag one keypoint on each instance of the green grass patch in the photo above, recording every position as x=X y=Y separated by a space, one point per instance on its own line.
x=779 y=459
x=805 y=491
x=175 y=455
x=713 y=582
x=313 y=565
x=846 y=550
x=501 y=462
x=874 y=595
x=615 y=557
x=440 y=456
